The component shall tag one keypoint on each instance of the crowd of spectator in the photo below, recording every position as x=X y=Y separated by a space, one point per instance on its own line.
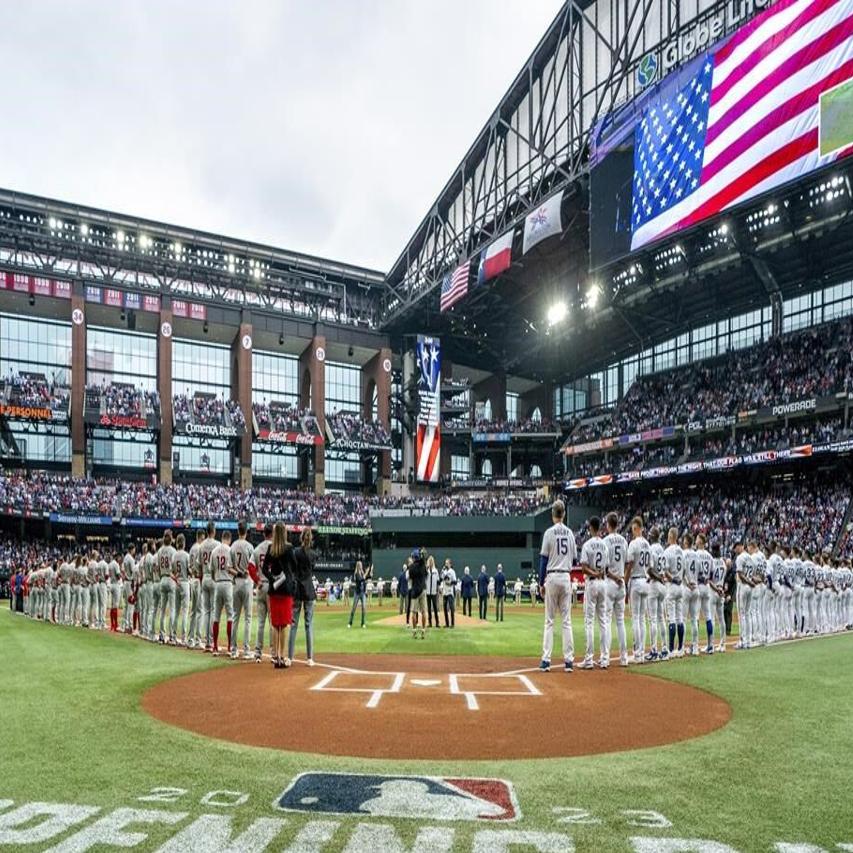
x=810 y=363
x=31 y=390
x=346 y=426
x=124 y=401
x=808 y=513
x=207 y=410
x=278 y=417
x=528 y=425
x=40 y=493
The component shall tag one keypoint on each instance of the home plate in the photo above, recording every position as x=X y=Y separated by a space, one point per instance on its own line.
x=426 y=682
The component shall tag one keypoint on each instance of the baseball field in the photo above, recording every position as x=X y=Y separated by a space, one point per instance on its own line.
x=761 y=760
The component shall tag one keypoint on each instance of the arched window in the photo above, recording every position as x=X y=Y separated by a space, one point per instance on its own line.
x=536 y=415
x=487 y=468
x=535 y=470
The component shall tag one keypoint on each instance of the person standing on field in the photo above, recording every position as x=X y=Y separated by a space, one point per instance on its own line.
x=181 y=571
x=223 y=576
x=208 y=587
x=483 y=593
x=194 y=636
x=432 y=586
x=556 y=557
x=500 y=593
x=305 y=597
x=279 y=569
x=467 y=586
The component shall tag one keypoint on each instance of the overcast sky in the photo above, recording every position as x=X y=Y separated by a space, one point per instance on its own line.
x=322 y=126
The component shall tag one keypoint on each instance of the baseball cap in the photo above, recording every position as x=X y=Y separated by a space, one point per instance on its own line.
x=416 y=553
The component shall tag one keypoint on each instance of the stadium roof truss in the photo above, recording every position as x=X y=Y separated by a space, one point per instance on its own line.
x=55 y=238
x=537 y=140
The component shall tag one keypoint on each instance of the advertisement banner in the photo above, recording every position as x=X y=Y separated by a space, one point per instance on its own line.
x=491 y=437
x=289 y=437
x=428 y=440
x=42 y=414
x=68 y=518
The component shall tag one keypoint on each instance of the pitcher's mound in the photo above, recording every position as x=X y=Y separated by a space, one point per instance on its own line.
x=413 y=707
x=461 y=622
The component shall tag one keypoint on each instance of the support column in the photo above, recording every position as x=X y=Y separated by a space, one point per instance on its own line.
x=241 y=391
x=376 y=376
x=541 y=397
x=78 y=381
x=312 y=395
x=444 y=458
x=164 y=388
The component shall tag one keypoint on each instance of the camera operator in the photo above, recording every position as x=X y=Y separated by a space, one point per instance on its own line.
x=417 y=590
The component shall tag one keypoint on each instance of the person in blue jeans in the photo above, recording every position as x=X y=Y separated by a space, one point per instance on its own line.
x=359 y=580
x=304 y=599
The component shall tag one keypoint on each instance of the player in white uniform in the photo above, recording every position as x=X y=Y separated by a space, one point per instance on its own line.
x=594 y=561
x=704 y=565
x=759 y=597
x=556 y=557
x=637 y=569
x=799 y=588
x=657 y=598
x=114 y=591
x=745 y=569
x=690 y=592
x=194 y=631
x=674 y=559
x=809 y=585
x=717 y=594
x=618 y=550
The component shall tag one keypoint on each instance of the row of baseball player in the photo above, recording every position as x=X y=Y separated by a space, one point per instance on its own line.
x=167 y=594
x=782 y=593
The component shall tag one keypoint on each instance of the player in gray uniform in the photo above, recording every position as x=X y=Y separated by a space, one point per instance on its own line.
x=75 y=597
x=690 y=592
x=636 y=576
x=63 y=581
x=53 y=592
x=241 y=556
x=717 y=594
x=704 y=564
x=83 y=576
x=657 y=598
x=262 y=588
x=144 y=595
x=745 y=569
x=595 y=558
x=675 y=594
x=92 y=587
x=181 y=573
x=103 y=592
x=194 y=637
x=223 y=576
x=556 y=557
x=208 y=587
x=618 y=549
x=113 y=576
x=154 y=578
x=129 y=578
x=167 y=588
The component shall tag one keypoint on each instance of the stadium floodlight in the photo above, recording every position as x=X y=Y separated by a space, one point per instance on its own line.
x=52 y=223
x=724 y=228
x=84 y=229
x=557 y=313
x=120 y=236
x=176 y=248
x=144 y=241
x=592 y=296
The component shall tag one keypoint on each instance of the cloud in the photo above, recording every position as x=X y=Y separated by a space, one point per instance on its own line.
x=325 y=127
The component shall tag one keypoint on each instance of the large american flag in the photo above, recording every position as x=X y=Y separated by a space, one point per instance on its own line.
x=428 y=439
x=454 y=286
x=743 y=119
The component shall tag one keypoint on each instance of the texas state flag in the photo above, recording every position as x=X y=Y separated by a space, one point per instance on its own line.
x=496 y=258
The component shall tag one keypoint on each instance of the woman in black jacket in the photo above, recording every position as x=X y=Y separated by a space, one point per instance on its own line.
x=304 y=598
x=280 y=570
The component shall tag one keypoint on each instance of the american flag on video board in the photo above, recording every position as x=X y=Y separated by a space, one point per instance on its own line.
x=746 y=119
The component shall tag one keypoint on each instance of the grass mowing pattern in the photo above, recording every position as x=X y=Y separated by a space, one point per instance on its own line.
x=780 y=771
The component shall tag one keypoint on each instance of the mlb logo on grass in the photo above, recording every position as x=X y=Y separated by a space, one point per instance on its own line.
x=417 y=797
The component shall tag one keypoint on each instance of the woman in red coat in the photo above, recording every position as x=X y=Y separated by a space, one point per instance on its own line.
x=280 y=570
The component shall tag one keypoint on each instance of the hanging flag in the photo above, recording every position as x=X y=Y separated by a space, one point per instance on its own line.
x=454 y=286
x=543 y=222
x=496 y=258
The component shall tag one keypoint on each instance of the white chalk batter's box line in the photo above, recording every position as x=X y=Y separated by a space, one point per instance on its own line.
x=398 y=679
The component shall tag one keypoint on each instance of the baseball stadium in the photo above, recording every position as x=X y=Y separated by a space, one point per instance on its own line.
x=538 y=540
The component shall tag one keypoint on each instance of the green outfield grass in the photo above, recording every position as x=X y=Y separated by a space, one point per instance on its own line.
x=780 y=771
